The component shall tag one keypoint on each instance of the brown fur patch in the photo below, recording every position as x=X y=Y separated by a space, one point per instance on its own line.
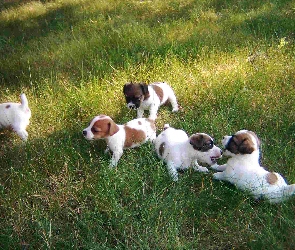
x=271 y=178
x=162 y=148
x=201 y=142
x=133 y=136
x=7 y=106
x=159 y=91
x=103 y=128
x=241 y=144
x=132 y=89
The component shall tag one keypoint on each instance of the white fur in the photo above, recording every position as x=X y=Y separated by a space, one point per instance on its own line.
x=245 y=172
x=180 y=154
x=16 y=116
x=115 y=142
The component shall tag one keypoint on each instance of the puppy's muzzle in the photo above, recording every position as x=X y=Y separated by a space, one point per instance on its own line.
x=84 y=132
x=131 y=106
x=216 y=157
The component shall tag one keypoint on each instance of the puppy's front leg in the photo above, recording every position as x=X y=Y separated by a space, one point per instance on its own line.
x=219 y=176
x=23 y=134
x=199 y=168
x=218 y=167
x=115 y=158
x=153 y=112
x=172 y=171
x=140 y=113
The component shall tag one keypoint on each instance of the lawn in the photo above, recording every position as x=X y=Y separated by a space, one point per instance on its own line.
x=231 y=65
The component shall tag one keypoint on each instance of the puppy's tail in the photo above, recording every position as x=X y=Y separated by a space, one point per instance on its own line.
x=166 y=126
x=24 y=101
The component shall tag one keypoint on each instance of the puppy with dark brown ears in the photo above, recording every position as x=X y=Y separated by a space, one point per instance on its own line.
x=243 y=169
x=149 y=97
x=181 y=152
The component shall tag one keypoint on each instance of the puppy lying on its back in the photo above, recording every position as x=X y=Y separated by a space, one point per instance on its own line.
x=181 y=152
x=16 y=116
x=243 y=169
x=118 y=137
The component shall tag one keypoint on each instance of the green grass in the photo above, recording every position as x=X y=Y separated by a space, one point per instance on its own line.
x=232 y=66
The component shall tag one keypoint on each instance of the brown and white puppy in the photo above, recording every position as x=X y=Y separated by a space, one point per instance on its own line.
x=181 y=152
x=16 y=116
x=149 y=97
x=118 y=137
x=243 y=169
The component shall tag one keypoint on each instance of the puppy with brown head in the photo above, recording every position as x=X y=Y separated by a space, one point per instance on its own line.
x=149 y=97
x=243 y=169
x=181 y=152
x=118 y=137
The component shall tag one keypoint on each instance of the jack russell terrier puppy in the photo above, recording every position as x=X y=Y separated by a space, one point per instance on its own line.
x=118 y=137
x=243 y=169
x=149 y=97
x=16 y=116
x=181 y=152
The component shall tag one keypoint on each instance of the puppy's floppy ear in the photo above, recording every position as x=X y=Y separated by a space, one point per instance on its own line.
x=125 y=86
x=196 y=141
x=144 y=88
x=246 y=147
x=113 y=128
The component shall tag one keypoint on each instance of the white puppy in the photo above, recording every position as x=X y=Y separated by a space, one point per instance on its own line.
x=243 y=169
x=16 y=116
x=181 y=152
x=118 y=137
x=149 y=97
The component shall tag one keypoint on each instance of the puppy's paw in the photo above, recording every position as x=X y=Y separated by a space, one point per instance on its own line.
x=111 y=166
x=218 y=176
x=215 y=166
x=202 y=169
x=107 y=150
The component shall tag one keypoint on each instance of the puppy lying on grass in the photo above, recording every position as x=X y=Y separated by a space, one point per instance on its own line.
x=16 y=116
x=181 y=152
x=243 y=169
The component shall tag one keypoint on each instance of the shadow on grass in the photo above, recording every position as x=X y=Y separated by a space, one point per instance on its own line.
x=96 y=57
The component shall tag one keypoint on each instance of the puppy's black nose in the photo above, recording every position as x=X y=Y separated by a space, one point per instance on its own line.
x=221 y=152
x=84 y=132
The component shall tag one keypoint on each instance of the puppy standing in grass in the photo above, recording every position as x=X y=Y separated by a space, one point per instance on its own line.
x=243 y=169
x=118 y=137
x=149 y=97
x=181 y=152
x=16 y=116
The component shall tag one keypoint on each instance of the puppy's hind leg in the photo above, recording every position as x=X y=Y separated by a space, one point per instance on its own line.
x=282 y=195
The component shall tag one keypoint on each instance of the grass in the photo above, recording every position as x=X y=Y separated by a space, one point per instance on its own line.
x=231 y=64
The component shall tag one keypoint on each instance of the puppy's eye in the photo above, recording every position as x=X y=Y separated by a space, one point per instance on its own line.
x=95 y=130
